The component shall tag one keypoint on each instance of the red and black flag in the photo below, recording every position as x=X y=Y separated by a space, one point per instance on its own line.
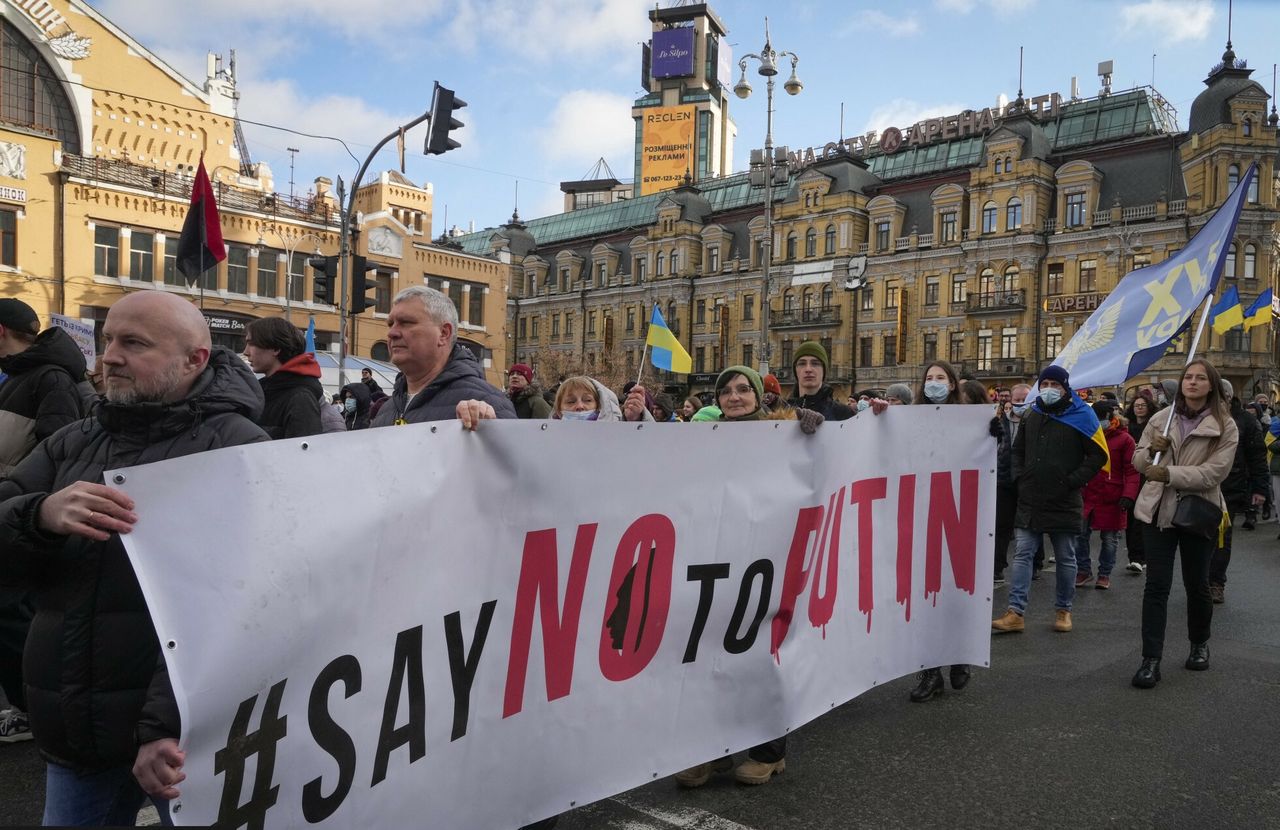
x=200 y=246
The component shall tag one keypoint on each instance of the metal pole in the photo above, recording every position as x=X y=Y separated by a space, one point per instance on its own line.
x=342 y=289
x=288 y=278
x=766 y=350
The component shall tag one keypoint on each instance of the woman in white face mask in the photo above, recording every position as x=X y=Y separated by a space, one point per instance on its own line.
x=940 y=385
x=584 y=399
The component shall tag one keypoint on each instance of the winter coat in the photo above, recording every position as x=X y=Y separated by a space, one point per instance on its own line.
x=823 y=402
x=1009 y=430
x=1197 y=464
x=530 y=404
x=1104 y=491
x=1248 y=476
x=40 y=395
x=1274 y=447
x=292 y=399
x=360 y=418
x=95 y=681
x=1052 y=462
x=461 y=379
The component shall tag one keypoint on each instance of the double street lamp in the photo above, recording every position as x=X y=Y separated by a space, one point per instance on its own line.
x=765 y=168
x=289 y=251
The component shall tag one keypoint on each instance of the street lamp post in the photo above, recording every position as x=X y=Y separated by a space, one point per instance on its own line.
x=767 y=167
x=289 y=251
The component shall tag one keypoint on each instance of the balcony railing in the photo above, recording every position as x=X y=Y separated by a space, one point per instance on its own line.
x=812 y=318
x=925 y=240
x=996 y=367
x=996 y=301
x=1178 y=207
x=1050 y=225
x=1139 y=212
x=902 y=243
x=1102 y=217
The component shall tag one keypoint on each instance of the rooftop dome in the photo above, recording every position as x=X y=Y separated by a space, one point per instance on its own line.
x=1227 y=80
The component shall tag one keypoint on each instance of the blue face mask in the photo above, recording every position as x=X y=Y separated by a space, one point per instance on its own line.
x=349 y=405
x=862 y=405
x=936 y=391
x=569 y=415
x=1021 y=409
x=1050 y=396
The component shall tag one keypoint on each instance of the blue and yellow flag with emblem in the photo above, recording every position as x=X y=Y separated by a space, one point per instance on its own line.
x=1080 y=417
x=1150 y=306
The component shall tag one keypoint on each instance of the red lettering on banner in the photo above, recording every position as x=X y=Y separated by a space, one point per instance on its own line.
x=960 y=526
x=539 y=583
x=863 y=493
x=808 y=522
x=635 y=619
x=906 y=537
x=822 y=605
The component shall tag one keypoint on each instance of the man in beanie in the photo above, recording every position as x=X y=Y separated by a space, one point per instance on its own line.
x=1054 y=457
x=772 y=392
x=811 y=366
x=525 y=395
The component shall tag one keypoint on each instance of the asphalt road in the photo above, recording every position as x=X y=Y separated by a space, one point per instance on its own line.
x=1052 y=735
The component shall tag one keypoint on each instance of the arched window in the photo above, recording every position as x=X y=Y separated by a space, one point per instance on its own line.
x=1251 y=196
x=673 y=322
x=806 y=303
x=1013 y=214
x=999 y=165
x=1247 y=127
x=827 y=296
x=380 y=351
x=31 y=95
x=1250 y=261
x=811 y=243
x=791 y=246
x=830 y=246
x=658 y=263
x=1011 y=275
x=1008 y=164
x=1229 y=270
x=989 y=217
x=1233 y=177
x=987 y=281
x=788 y=302
x=675 y=259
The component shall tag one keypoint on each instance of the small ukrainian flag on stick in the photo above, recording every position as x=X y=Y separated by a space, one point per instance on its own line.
x=664 y=349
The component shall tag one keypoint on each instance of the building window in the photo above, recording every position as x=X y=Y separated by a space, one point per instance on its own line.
x=748 y=307
x=602 y=274
x=298 y=277
x=955 y=349
x=865 y=347
x=788 y=302
x=984 y=351
x=641 y=265
x=930 y=290
x=524 y=328
x=31 y=95
x=1229 y=268
x=568 y=324
x=591 y=324
x=1053 y=283
x=890 y=350
x=533 y=328
x=1013 y=214
x=948 y=226
x=675 y=263
x=715 y=358
x=829 y=245
x=999 y=165
x=791 y=246
x=1008 y=342
x=267 y=259
x=713 y=259
x=757 y=253
x=555 y=325
x=1011 y=275
x=989 y=217
x=382 y=295
x=1141 y=261
x=747 y=354
x=699 y=359
x=1053 y=342
x=673 y=319
x=1075 y=210
x=106 y=250
x=958 y=289
x=788 y=352
x=171 y=275
x=891 y=296
x=1251 y=196
x=631 y=319
x=700 y=312
x=1250 y=261
x=564 y=279
x=142 y=256
x=1088 y=276
x=827 y=296
x=1236 y=340
x=811 y=243
x=475 y=306
x=882 y=236
x=1246 y=128
x=237 y=269
x=930 y=350
x=1233 y=177
x=987 y=282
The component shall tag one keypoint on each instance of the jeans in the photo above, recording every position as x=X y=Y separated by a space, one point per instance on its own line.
x=769 y=752
x=1196 y=551
x=1106 y=554
x=1025 y=544
x=110 y=798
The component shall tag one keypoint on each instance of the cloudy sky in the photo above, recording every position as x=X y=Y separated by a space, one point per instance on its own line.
x=549 y=83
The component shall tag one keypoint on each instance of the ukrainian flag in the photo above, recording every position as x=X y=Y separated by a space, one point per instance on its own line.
x=1081 y=417
x=1227 y=313
x=665 y=350
x=1259 y=313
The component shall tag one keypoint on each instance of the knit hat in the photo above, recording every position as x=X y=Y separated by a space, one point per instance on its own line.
x=900 y=391
x=707 y=413
x=1227 y=391
x=752 y=376
x=812 y=348
x=771 y=384
x=1055 y=373
x=1103 y=409
x=15 y=314
x=522 y=369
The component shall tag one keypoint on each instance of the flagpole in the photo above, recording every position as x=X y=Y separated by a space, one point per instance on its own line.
x=1191 y=355
x=644 y=356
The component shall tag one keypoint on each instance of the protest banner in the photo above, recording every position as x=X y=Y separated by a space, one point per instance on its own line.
x=82 y=332
x=421 y=626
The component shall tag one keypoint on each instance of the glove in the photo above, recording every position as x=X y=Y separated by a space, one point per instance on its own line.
x=995 y=430
x=1158 y=473
x=1125 y=504
x=1159 y=443
x=809 y=420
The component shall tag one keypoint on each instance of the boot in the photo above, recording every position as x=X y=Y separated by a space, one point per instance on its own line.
x=929 y=687
x=1148 y=674
x=1198 y=660
x=755 y=772
x=1011 y=621
x=701 y=774
x=1062 y=621
x=959 y=677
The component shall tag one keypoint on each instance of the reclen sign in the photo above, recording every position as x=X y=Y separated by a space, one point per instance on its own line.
x=673 y=53
x=667 y=147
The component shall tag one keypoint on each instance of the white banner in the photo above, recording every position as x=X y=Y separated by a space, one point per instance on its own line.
x=81 y=331
x=422 y=627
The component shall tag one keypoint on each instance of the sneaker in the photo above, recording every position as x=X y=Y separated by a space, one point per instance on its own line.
x=1136 y=568
x=1218 y=593
x=1103 y=583
x=1083 y=578
x=1062 y=621
x=1011 y=621
x=756 y=773
x=999 y=580
x=1052 y=560
x=13 y=727
x=701 y=774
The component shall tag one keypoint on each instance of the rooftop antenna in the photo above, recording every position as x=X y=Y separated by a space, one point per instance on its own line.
x=842 y=121
x=293 y=154
x=1275 y=118
x=515 y=210
x=1153 y=70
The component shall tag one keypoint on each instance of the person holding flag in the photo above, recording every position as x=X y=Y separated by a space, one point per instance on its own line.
x=663 y=349
x=1058 y=450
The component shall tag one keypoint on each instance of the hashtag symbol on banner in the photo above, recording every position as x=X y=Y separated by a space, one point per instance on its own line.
x=242 y=745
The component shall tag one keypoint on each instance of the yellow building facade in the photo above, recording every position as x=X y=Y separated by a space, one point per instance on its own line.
x=99 y=143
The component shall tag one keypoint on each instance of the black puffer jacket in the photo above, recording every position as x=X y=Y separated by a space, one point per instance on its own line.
x=40 y=396
x=292 y=399
x=1249 y=470
x=1052 y=462
x=96 y=683
x=823 y=402
x=461 y=379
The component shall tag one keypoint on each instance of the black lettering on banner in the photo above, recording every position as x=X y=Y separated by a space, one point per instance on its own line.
x=331 y=738
x=707 y=575
x=463 y=663
x=242 y=745
x=732 y=642
x=407 y=660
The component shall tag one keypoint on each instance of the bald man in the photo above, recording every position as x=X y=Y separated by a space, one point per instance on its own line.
x=98 y=694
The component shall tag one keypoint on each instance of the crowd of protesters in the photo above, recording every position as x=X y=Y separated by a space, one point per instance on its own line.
x=1166 y=473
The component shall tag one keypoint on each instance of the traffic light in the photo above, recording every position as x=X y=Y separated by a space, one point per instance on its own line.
x=443 y=103
x=362 y=284
x=326 y=275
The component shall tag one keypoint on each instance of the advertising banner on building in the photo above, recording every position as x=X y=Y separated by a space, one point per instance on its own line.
x=673 y=53
x=667 y=147
x=421 y=626
x=81 y=331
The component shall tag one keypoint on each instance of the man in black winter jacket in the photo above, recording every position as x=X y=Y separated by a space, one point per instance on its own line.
x=98 y=692
x=291 y=386
x=811 y=366
x=1244 y=490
